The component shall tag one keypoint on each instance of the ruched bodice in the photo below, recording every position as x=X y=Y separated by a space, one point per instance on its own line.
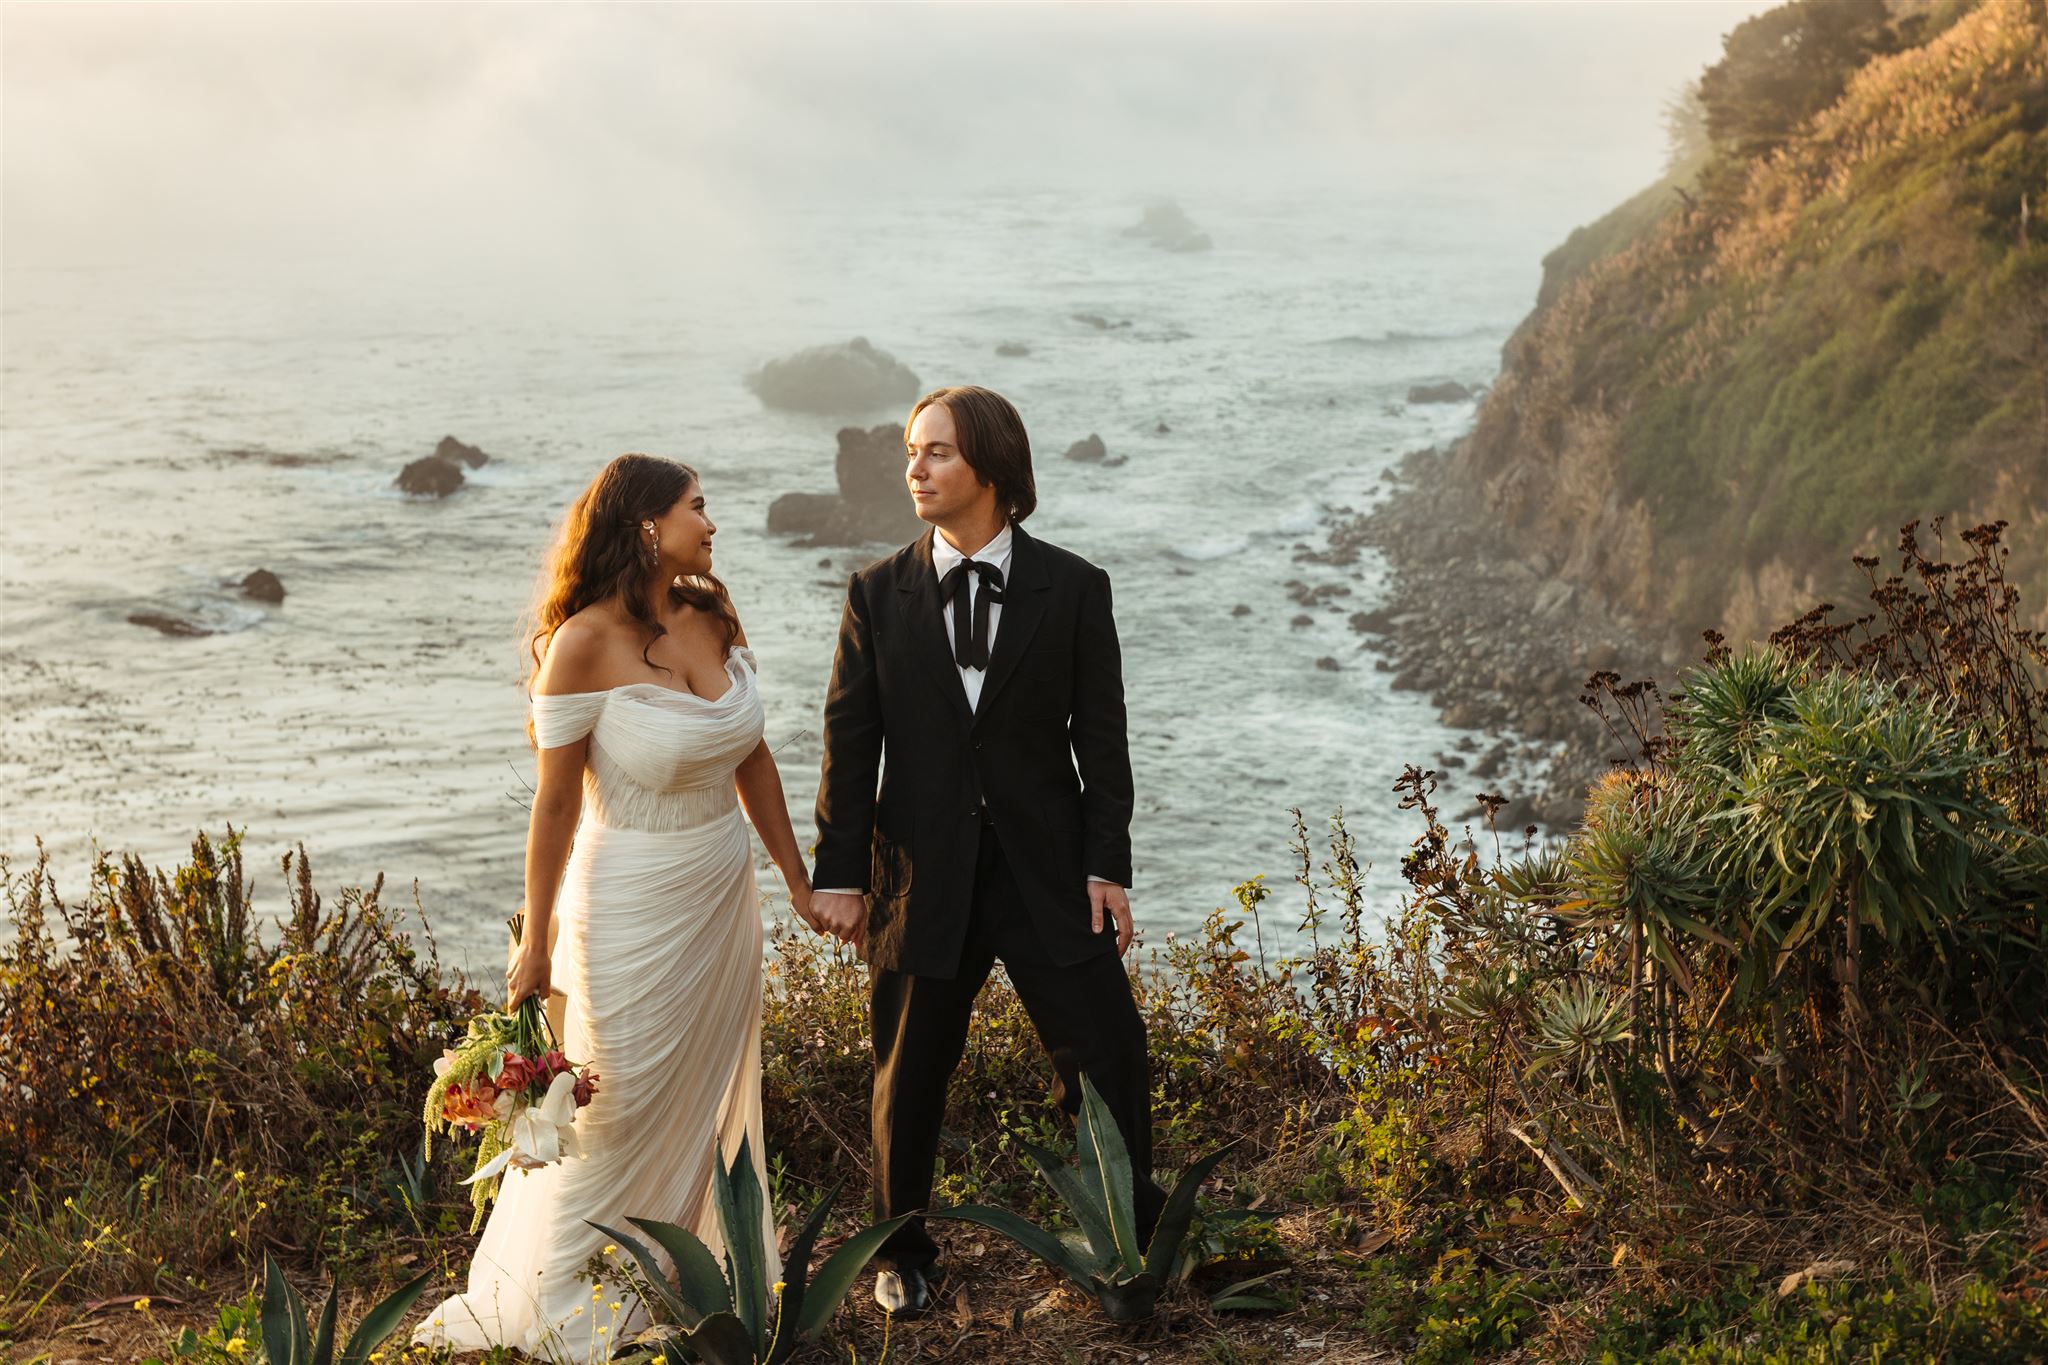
x=660 y=759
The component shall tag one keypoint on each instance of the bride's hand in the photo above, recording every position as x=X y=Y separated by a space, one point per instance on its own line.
x=529 y=975
x=800 y=901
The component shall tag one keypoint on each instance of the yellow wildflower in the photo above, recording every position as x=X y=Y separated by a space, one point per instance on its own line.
x=142 y=1304
x=236 y=1346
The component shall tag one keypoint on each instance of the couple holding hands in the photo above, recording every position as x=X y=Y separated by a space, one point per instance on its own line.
x=975 y=806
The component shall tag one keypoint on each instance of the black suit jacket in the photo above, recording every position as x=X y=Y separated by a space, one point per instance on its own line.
x=1046 y=749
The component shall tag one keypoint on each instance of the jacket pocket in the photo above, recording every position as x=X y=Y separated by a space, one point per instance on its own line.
x=889 y=867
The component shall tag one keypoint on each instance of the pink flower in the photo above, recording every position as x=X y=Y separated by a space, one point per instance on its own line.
x=585 y=1087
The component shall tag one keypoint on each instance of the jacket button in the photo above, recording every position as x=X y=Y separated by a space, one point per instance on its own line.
x=977 y=744
x=974 y=810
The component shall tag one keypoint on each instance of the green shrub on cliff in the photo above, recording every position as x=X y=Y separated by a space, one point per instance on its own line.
x=183 y=1087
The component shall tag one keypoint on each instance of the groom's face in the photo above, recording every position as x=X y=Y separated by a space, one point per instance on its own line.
x=943 y=485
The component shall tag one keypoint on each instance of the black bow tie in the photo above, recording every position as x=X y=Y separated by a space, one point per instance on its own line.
x=970 y=639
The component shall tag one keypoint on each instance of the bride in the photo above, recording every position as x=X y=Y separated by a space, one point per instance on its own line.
x=640 y=907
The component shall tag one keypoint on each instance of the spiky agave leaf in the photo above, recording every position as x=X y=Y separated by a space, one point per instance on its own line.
x=1098 y=1130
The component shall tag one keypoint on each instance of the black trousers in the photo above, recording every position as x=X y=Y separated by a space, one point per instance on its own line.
x=1084 y=1015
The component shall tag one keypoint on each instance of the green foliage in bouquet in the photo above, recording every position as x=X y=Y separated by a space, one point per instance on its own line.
x=287 y=1340
x=1122 y=1276
x=470 y=1075
x=727 y=1317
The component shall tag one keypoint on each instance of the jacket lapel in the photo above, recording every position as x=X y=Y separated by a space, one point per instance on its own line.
x=1023 y=609
x=928 y=628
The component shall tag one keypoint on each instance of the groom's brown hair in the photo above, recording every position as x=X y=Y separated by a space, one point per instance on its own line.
x=992 y=441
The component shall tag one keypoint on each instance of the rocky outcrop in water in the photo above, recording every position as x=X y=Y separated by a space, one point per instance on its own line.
x=844 y=378
x=872 y=503
x=429 y=477
x=1450 y=391
x=1013 y=349
x=1167 y=226
x=164 y=623
x=461 y=452
x=263 y=586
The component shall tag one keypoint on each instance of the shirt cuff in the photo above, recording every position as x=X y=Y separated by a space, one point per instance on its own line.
x=836 y=891
x=1104 y=880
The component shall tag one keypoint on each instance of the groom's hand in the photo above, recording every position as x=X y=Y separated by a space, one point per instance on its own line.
x=842 y=915
x=1110 y=896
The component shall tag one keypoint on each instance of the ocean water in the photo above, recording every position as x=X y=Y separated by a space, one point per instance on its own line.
x=164 y=433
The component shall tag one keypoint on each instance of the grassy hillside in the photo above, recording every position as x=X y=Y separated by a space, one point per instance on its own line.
x=1841 y=327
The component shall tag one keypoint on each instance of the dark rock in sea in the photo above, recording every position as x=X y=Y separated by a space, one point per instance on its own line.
x=452 y=449
x=1091 y=450
x=871 y=504
x=430 y=477
x=1328 y=664
x=1448 y=392
x=1099 y=322
x=263 y=586
x=1298 y=622
x=1374 y=622
x=1162 y=429
x=1013 y=349
x=1449 y=761
x=178 y=627
x=849 y=377
x=1167 y=226
x=281 y=459
x=1240 y=610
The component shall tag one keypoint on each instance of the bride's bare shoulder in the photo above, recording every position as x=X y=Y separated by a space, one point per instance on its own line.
x=578 y=654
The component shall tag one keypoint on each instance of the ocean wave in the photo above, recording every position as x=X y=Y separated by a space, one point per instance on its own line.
x=1398 y=337
x=1219 y=548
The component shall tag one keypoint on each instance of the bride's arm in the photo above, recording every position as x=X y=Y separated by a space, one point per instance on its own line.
x=760 y=788
x=572 y=663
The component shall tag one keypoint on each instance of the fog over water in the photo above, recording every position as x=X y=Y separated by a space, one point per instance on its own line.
x=252 y=260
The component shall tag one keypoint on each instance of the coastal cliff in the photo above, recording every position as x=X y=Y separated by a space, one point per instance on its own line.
x=1830 y=318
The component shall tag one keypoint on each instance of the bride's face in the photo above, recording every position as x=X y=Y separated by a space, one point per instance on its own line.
x=685 y=532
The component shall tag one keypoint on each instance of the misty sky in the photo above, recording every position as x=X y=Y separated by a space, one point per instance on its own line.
x=518 y=135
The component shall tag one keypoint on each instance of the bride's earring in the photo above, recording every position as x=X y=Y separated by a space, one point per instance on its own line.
x=653 y=543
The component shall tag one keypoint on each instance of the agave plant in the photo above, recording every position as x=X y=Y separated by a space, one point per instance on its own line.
x=1726 y=710
x=1122 y=1276
x=725 y=1316
x=287 y=1341
x=1578 y=1027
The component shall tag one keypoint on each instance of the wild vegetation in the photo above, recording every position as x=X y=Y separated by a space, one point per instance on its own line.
x=1831 y=316
x=1748 y=1068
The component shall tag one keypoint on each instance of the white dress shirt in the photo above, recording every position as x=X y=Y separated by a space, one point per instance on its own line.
x=944 y=556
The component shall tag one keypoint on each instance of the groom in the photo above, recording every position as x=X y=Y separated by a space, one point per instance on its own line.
x=983 y=665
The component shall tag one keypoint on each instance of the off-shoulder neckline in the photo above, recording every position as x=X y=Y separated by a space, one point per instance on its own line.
x=731 y=653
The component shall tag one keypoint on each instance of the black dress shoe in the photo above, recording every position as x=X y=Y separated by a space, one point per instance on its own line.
x=903 y=1293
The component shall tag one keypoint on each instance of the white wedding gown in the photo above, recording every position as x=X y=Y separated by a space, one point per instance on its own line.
x=659 y=955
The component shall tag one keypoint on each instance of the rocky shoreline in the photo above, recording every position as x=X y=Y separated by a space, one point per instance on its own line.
x=1500 y=648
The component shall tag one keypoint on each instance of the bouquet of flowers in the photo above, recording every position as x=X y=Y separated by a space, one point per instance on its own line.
x=508 y=1080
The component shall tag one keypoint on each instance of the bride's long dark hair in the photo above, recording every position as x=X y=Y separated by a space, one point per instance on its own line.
x=598 y=554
